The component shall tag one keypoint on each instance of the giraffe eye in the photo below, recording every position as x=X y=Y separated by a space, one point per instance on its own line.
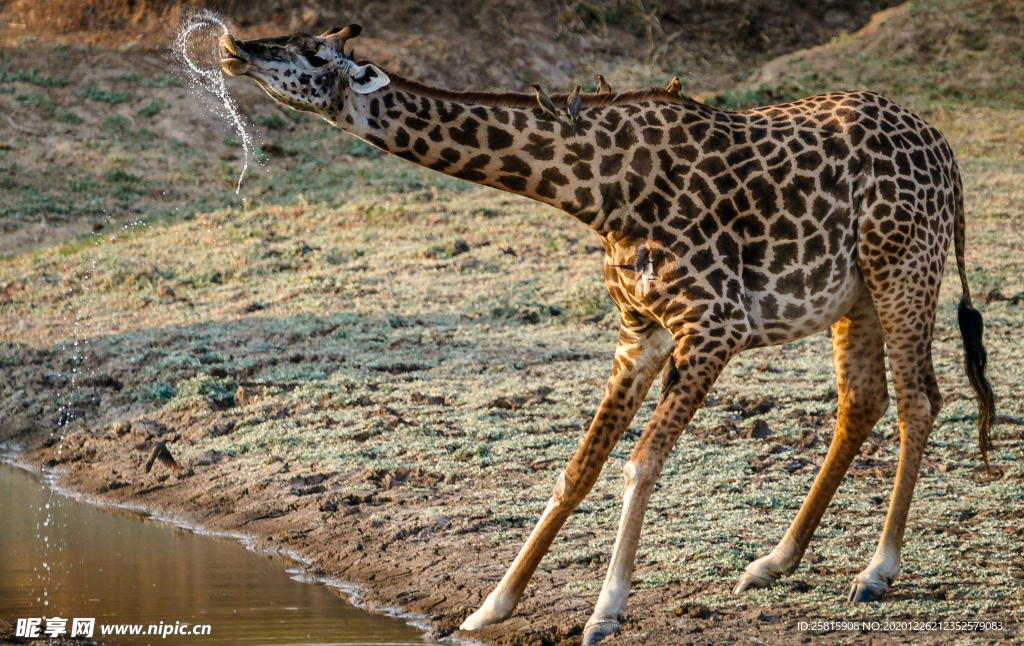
x=315 y=60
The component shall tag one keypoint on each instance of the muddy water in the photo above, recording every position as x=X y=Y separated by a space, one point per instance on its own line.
x=121 y=567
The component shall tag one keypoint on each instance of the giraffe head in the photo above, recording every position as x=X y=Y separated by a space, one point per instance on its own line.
x=301 y=71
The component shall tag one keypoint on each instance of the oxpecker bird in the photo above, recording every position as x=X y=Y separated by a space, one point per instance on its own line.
x=643 y=266
x=546 y=106
x=160 y=452
x=573 y=107
x=675 y=88
x=602 y=85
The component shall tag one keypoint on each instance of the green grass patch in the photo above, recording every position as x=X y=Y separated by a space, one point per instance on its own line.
x=154 y=108
x=32 y=76
x=94 y=93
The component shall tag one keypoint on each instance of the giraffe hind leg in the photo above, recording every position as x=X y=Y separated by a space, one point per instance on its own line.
x=918 y=402
x=858 y=354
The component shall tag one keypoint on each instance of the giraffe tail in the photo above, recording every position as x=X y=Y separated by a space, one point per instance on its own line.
x=972 y=327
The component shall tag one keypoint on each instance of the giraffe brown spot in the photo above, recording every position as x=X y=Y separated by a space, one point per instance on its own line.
x=513 y=182
x=498 y=139
x=500 y=115
x=520 y=121
x=642 y=163
x=651 y=136
x=698 y=131
x=793 y=200
x=416 y=124
x=636 y=185
x=471 y=170
x=611 y=164
x=554 y=176
x=583 y=151
x=653 y=208
x=677 y=135
x=626 y=137
x=435 y=134
x=700 y=188
x=712 y=166
x=480 y=112
x=662 y=185
x=809 y=160
x=718 y=142
x=424 y=110
x=402 y=138
x=449 y=156
x=447 y=112
x=421 y=147
x=582 y=171
x=584 y=197
x=783 y=255
x=465 y=134
x=513 y=164
x=540 y=148
x=611 y=197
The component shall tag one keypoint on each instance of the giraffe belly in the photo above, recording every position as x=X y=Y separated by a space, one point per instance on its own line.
x=777 y=318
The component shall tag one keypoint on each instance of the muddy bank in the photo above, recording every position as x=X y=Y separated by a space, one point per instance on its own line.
x=388 y=540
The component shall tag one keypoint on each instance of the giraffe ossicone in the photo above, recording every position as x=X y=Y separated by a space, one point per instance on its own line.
x=769 y=225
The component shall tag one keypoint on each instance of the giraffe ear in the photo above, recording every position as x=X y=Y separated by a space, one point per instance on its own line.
x=367 y=78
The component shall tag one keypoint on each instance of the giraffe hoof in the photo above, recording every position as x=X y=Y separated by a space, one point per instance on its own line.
x=866 y=592
x=751 y=582
x=597 y=632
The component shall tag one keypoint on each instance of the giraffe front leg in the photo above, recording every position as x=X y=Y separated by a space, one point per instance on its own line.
x=697 y=361
x=642 y=350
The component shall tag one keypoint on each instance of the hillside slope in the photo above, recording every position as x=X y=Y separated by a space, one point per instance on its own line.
x=927 y=54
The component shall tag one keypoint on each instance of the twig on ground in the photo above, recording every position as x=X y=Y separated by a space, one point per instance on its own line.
x=21 y=128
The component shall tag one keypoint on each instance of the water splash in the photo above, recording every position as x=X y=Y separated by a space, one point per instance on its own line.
x=211 y=80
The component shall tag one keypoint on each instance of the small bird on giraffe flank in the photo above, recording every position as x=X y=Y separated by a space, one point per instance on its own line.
x=602 y=85
x=675 y=88
x=573 y=108
x=160 y=452
x=546 y=106
x=643 y=266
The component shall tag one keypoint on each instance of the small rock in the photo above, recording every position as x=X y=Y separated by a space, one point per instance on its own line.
x=694 y=610
x=759 y=407
x=222 y=427
x=120 y=429
x=440 y=523
x=759 y=430
x=243 y=397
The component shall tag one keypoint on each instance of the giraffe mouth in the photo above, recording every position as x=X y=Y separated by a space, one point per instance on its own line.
x=231 y=60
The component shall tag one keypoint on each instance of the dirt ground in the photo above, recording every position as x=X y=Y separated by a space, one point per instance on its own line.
x=384 y=369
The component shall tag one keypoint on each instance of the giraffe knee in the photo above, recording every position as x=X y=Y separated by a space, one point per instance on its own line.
x=565 y=491
x=631 y=474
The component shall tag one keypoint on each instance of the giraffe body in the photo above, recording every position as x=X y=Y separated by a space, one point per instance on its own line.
x=757 y=228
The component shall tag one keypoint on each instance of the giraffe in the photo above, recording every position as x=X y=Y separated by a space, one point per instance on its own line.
x=722 y=231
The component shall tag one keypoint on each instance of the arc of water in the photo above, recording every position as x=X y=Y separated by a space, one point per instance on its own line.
x=213 y=81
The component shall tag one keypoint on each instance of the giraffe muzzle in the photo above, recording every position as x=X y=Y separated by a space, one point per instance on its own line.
x=231 y=60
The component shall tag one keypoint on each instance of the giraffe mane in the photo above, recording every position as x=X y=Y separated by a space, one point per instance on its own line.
x=522 y=100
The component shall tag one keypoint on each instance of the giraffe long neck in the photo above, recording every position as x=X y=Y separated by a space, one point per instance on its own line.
x=513 y=149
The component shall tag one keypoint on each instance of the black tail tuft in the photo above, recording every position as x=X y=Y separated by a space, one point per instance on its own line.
x=972 y=327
